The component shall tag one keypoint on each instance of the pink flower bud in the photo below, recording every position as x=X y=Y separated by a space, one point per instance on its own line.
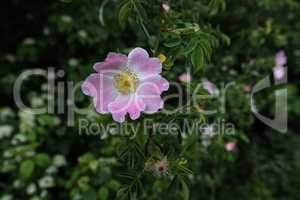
x=185 y=78
x=247 y=88
x=165 y=7
x=280 y=58
x=230 y=146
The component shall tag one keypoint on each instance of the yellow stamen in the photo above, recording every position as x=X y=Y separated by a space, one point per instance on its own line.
x=126 y=82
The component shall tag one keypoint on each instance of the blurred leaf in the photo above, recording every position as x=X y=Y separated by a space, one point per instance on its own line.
x=103 y=193
x=26 y=168
x=42 y=159
x=185 y=190
x=90 y=195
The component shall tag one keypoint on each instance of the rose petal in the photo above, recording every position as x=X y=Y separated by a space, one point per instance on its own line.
x=153 y=85
x=153 y=104
x=100 y=87
x=126 y=104
x=140 y=63
x=113 y=61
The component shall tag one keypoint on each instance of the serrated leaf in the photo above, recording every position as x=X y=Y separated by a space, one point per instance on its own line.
x=124 y=13
x=122 y=193
x=197 y=58
x=173 y=43
x=191 y=46
x=206 y=49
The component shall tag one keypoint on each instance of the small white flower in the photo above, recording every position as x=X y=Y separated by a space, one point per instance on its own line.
x=5 y=131
x=66 y=19
x=73 y=62
x=59 y=160
x=232 y=72
x=7 y=197
x=44 y=87
x=93 y=165
x=29 y=41
x=7 y=154
x=46 y=182
x=46 y=31
x=44 y=193
x=17 y=183
x=31 y=189
x=51 y=170
x=10 y=58
x=37 y=102
x=27 y=119
x=82 y=34
x=6 y=113
x=21 y=138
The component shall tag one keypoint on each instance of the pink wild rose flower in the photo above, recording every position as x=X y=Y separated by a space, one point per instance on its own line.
x=124 y=85
x=210 y=87
x=279 y=69
x=280 y=59
x=185 y=78
x=230 y=146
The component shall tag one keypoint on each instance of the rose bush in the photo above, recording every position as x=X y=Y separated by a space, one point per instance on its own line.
x=63 y=144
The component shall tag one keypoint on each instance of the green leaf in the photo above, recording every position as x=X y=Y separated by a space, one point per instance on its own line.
x=103 y=193
x=226 y=39
x=141 y=10
x=191 y=46
x=90 y=195
x=47 y=120
x=173 y=43
x=185 y=190
x=26 y=168
x=168 y=63
x=124 y=13
x=42 y=160
x=197 y=58
x=207 y=49
x=123 y=193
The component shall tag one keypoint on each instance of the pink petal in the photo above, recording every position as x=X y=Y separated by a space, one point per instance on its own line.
x=153 y=85
x=280 y=58
x=100 y=87
x=210 y=87
x=126 y=104
x=113 y=61
x=140 y=62
x=153 y=104
x=278 y=72
x=149 y=91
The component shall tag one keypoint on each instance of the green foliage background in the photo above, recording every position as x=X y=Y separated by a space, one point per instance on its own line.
x=43 y=158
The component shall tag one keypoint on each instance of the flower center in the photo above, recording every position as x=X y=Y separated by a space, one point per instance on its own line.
x=126 y=82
